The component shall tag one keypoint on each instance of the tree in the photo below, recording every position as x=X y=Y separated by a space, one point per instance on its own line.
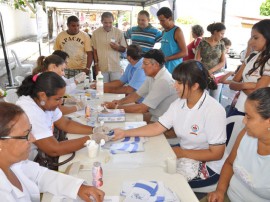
x=265 y=8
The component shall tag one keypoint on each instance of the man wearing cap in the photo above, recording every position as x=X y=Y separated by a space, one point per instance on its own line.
x=133 y=77
x=144 y=35
x=157 y=90
x=173 y=42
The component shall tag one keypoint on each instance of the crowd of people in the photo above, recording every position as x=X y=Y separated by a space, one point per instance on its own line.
x=175 y=88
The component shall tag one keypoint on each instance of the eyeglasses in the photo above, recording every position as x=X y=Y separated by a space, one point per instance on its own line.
x=25 y=137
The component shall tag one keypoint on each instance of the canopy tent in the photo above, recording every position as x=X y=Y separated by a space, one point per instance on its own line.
x=142 y=3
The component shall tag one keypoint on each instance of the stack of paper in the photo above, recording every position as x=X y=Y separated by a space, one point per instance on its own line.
x=112 y=115
x=147 y=191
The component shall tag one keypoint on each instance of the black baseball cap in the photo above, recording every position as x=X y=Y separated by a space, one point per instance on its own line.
x=156 y=55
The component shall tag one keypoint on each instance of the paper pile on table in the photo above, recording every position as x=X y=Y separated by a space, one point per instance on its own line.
x=147 y=191
x=112 y=115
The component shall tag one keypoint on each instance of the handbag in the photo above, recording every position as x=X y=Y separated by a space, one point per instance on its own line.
x=52 y=162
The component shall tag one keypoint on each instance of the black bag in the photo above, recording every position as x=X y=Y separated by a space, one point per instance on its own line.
x=49 y=161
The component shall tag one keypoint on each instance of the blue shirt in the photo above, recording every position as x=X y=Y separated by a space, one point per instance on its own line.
x=145 y=38
x=134 y=76
x=170 y=47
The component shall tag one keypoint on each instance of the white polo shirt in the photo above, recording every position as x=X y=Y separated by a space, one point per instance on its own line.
x=70 y=84
x=199 y=127
x=42 y=121
x=254 y=77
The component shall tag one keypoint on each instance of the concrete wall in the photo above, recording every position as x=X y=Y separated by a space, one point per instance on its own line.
x=18 y=24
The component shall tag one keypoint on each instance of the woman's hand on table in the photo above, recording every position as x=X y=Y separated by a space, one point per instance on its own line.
x=93 y=86
x=216 y=196
x=99 y=136
x=118 y=134
x=86 y=191
x=110 y=105
x=178 y=152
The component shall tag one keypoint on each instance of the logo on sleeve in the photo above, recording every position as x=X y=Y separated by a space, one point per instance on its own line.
x=194 y=129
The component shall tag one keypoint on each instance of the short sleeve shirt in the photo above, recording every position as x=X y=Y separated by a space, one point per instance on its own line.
x=198 y=127
x=145 y=38
x=42 y=121
x=210 y=55
x=158 y=93
x=108 y=58
x=134 y=76
x=254 y=77
x=76 y=46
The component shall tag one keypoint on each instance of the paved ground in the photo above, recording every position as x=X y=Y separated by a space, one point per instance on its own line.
x=27 y=51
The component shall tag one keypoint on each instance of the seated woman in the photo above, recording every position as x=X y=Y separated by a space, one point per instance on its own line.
x=40 y=97
x=198 y=120
x=55 y=63
x=254 y=73
x=242 y=179
x=23 y=180
x=73 y=81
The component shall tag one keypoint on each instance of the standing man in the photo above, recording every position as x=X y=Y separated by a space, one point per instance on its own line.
x=173 y=43
x=157 y=90
x=77 y=45
x=108 y=43
x=144 y=35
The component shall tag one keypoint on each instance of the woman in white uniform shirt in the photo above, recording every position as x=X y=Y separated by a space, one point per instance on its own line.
x=256 y=73
x=198 y=120
x=55 y=63
x=245 y=174
x=40 y=96
x=23 y=180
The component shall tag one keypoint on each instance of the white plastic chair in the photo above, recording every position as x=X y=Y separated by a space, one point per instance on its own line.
x=237 y=127
x=11 y=96
x=19 y=79
x=19 y=64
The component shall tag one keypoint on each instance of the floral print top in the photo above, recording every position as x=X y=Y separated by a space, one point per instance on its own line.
x=210 y=54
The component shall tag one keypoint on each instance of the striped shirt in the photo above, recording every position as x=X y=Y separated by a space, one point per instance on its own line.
x=145 y=38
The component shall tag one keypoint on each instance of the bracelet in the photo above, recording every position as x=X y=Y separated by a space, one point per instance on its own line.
x=90 y=137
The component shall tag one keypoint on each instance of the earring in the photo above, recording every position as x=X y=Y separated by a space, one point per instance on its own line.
x=42 y=102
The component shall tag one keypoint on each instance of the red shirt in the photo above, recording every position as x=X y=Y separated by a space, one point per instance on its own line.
x=192 y=46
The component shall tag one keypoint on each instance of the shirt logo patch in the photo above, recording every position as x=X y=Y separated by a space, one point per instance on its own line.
x=194 y=129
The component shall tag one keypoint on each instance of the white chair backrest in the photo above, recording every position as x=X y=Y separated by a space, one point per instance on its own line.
x=237 y=127
x=11 y=96
x=19 y=79
x=17 y=61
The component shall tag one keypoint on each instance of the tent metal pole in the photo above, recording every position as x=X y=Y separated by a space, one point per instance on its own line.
x=223 y=13
x=4 y=51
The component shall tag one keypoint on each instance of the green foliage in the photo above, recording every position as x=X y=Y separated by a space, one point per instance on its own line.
x=265 y=8
x=186 y=20
x=19 y=4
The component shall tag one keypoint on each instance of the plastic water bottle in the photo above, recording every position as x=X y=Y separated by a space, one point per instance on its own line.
x=100 y=84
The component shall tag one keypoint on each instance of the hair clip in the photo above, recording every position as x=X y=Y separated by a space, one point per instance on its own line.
x=34 y=78
x=199 y=65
